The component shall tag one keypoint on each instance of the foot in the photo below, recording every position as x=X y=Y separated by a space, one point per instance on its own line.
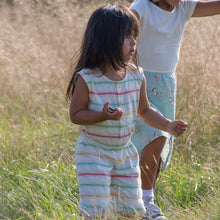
x=153 y=212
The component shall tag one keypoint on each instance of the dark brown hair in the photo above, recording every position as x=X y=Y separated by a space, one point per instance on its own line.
x=102 y=43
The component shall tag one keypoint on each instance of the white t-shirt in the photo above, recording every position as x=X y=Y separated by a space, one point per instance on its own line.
x=161 y=34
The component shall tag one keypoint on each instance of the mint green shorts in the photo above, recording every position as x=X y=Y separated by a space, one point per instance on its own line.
x=161 y=92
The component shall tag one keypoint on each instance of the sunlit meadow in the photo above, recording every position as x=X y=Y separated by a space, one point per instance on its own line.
x=37 y=174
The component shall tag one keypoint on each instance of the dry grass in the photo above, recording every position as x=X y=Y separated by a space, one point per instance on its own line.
x=37 y=40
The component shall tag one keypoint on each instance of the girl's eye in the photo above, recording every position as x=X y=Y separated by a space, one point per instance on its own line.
x=131 y=36
x=128 y=35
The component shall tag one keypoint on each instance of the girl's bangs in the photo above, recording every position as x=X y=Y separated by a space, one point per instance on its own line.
x=132 y=26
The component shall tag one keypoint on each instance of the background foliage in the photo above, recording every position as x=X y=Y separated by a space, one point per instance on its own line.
x=37 y=174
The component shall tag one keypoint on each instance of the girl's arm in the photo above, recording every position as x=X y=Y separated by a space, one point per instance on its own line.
x=151 y=117
x=79 y=112
x=207 y=8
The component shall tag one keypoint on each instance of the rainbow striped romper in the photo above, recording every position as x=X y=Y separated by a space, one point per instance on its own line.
x=107 y=162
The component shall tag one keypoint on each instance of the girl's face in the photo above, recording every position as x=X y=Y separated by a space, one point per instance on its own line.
x=129 y=48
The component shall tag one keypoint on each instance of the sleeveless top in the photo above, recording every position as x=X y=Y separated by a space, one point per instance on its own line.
x=124 y=94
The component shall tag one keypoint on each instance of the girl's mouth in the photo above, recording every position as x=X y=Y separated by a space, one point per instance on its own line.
x=132 y=51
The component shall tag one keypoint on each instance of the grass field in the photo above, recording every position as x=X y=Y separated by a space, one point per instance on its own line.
x=37 y=171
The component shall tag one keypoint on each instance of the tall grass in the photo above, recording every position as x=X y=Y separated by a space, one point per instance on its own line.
x=37 y=172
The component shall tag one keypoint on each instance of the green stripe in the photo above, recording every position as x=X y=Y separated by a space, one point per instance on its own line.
x=85 y=144
x=129 y=187
x=113 y=126
x=114 y=82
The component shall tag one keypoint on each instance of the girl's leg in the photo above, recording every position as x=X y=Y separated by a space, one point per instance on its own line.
x=126 y=192
x=94 y=178
x=150 y=162
x=150 y=166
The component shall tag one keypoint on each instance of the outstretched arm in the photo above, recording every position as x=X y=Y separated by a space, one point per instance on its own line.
x=79 y=112
x=151 y=117
x=207 y=8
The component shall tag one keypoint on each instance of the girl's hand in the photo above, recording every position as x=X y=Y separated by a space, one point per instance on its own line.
x=177 y=127
x=115 y=115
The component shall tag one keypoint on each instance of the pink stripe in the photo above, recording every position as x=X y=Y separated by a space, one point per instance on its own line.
x=103 y=174
x=105 y=136
x=114 y=93
x=93 y=174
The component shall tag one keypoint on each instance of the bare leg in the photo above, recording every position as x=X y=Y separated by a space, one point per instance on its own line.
x=150 y=162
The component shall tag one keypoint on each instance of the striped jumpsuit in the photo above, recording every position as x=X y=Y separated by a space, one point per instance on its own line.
x=107 y=162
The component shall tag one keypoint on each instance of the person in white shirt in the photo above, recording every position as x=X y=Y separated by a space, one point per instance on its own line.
x=162 y=25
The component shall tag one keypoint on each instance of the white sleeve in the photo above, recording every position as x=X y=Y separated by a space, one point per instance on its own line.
x=189 y=7
x=139 y=6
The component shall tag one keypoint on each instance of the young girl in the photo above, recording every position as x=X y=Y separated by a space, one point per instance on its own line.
x=162 y=24
x=107 y=93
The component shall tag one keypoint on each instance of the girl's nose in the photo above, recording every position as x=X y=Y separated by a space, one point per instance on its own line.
x=133 y=40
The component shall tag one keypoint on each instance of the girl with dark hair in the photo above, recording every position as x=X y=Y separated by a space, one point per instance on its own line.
x=107 y=74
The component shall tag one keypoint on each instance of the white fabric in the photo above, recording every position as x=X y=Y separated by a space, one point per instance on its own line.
x=124 y=94
x=148 y=194
x=161 y=34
